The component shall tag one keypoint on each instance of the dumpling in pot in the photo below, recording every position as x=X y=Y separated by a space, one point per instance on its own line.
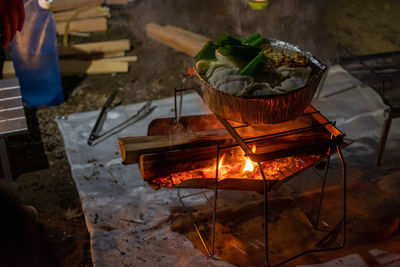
x=233 y=84
x=296 y=78
x=217 y=67
x=259 y=89
x=301 y=73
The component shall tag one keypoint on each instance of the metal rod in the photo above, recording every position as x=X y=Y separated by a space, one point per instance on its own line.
x=359 y=60
x=215 y=205
x=323 y=187
x=265 y=212
x=307 y=252
x=189 y=195
x=303 y=115
x=189 y=213
x=235 y=135
x=344 y=176
x=175 y=106
x=180 y=107
x=343 y=221
x=384 y=134
x=283 y=133
x=308 y=217
x=205 y=196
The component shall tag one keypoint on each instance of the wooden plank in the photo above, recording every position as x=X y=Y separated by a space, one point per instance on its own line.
x=10 y=102
x=115 y=46
x=121 y=59
x=83 y=25
x=162 y=164
x=112 y=54
x=66 y=15
x=13 y=126
x=60 y=5
x=73 y=67
x=7 y=83
x=78 y=67
x=11 y=92
x=171 y=38
x=16 y=112
x=187 y=124
x=132 y=147
x=187 y=33
x=12 y=115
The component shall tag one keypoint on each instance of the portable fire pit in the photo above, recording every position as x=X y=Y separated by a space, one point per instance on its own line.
x=209 y=152
x=284 y=150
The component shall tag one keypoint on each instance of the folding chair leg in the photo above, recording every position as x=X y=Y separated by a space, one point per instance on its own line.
x=5 y=163
x=384 y=134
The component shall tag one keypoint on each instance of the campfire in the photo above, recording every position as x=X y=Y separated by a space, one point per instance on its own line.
x=197 y=150
x=238 y=167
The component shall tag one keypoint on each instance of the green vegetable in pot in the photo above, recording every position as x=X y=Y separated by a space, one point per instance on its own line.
x=207 y=52
x=256 y=42
x=239 y=51
x=251 y=38
x=227 y=40
x=256 y=65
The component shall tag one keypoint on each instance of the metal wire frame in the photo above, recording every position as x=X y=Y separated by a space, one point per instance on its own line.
x=382 y=78
x=387 y=81
x=248 y=152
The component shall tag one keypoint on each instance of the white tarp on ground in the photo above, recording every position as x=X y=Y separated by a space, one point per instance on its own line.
x=121 y=210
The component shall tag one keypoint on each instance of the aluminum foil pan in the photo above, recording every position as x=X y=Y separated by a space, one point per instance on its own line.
x=268 y=109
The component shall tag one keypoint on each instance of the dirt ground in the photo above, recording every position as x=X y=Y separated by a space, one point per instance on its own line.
x=363 y=26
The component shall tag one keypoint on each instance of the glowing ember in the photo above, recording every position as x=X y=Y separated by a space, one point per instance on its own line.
x=231 y=166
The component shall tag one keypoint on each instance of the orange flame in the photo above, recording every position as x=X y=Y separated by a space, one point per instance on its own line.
x=220 y=162
x=249 y=164
x=220 y=169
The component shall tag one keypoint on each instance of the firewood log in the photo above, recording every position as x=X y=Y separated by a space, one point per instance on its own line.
x=163 y=163
x=132 y=147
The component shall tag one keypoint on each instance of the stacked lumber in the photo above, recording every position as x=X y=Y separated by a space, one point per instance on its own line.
x=81 y=16
x=101 y=58
x=180 y=39
x=86 y=16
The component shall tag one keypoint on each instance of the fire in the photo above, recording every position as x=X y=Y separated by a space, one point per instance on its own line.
x=220 y=169
x=249 y=167
x=237 y=166
x=220 y=162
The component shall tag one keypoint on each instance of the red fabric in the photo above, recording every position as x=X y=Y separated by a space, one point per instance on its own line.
x=12 y=17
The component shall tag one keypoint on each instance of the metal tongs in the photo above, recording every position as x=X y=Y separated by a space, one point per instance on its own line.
x=95 y=137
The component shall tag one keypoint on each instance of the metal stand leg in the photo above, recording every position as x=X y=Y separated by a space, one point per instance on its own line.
x=323 y=189
x=5 y=163
x=341 y=225
x=265 y=212
x=344 y=177
x=213 y=206
x=189 y=213
x=384 y=134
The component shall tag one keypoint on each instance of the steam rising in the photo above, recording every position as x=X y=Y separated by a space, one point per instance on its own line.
x=294 y=21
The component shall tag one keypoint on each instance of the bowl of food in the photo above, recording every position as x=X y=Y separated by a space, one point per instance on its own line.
x=256 y=80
